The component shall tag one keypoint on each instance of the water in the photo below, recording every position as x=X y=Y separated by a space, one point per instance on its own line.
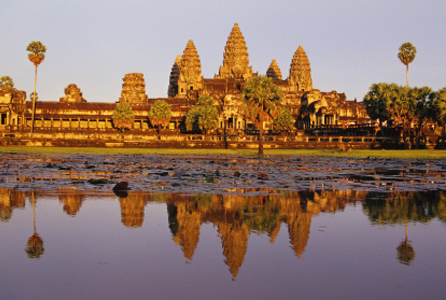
x=310 y=245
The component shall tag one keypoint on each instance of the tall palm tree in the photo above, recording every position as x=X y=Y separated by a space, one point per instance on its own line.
x=34 y=247
x=407 y=55
x=260 y=97
x=36 y=56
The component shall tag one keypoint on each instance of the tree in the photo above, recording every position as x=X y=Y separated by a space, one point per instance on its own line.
x=6 y=83
x=405 y=251
x=203 y=116
x=424 y=108
x=402 y=110
x=160 y=114
x=260 y=97
x=407 y=55
x=123 y=116
x=440 y=107
x=34 y=246
x=36 y=56
x=31 y=96
x=377 y=102
x=284 y=121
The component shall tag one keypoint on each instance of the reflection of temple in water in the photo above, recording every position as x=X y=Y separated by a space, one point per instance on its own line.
x=9 y=200
x=132 y=208
x=237 y=216
x=72 y=202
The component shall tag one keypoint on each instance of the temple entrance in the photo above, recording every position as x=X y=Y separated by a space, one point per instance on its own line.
x=3 y=119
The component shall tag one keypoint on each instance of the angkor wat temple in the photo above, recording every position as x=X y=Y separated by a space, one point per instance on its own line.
x=323 y=119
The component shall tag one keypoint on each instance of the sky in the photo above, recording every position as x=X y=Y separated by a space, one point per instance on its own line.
x=351 y=44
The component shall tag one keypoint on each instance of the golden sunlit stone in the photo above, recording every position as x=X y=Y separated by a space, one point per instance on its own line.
x=235 y=58
x=274 y=71
x=72 y=94
x=133 y=89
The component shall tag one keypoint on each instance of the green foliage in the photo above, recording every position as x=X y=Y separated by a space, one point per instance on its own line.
x=405 y=253
x=284 y=121
x=6 y=83
x=385 y=209
x=160 y=113
x=202 y=116
x=260 y=97
x=123 y=116
x=402 y=105
x=205 y=100
x=440 y=106
x=34 y=247
x=37 y=50
x=31 y=96
x=407 y=53
x=390 y=154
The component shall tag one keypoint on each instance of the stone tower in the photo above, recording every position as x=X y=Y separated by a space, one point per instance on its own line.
x=300 y=72
x=190 y=70
x=235 y=58
x=274 y=71
x=173 y=79
x=133 y=89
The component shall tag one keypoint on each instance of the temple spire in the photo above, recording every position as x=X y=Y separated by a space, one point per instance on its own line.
x=235 y=57
x=190 y=70
x=172 y=91
x=274 y=71
x=300 y=71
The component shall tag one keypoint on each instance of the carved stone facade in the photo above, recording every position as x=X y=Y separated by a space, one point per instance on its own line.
x=300 y=72
x=235 y=57
x=72 y=94
x=174 y=77
x=310 y=107
x=190 y=71
x=274 y=71
x=133 y=89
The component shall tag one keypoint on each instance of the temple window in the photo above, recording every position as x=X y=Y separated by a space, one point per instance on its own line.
x=3 y=119
x=191 y=88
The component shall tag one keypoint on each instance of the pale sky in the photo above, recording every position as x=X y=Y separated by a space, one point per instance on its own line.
x=351 y=44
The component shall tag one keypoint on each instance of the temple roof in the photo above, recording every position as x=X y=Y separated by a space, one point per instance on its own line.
x=235 y=57
x=190 y=64
x=300 y=71
x=274 y=71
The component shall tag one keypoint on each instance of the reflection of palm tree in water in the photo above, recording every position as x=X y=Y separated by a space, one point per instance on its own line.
x=406 y=253
x=34 y=247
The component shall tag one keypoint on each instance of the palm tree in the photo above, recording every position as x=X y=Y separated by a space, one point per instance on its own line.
x=160 y=114
x=405 y=251
x=260 y=97
x=123 y=116
x=407 y=55
x=35 y=243
x=6 y=83
x=36 y=56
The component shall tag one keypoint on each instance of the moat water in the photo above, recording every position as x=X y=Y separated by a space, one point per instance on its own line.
x=267 y=245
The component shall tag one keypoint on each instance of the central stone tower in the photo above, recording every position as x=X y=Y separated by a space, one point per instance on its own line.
x=300 y=72
x=235 y=58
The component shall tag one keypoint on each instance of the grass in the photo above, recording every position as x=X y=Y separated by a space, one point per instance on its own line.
x=404 y=154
